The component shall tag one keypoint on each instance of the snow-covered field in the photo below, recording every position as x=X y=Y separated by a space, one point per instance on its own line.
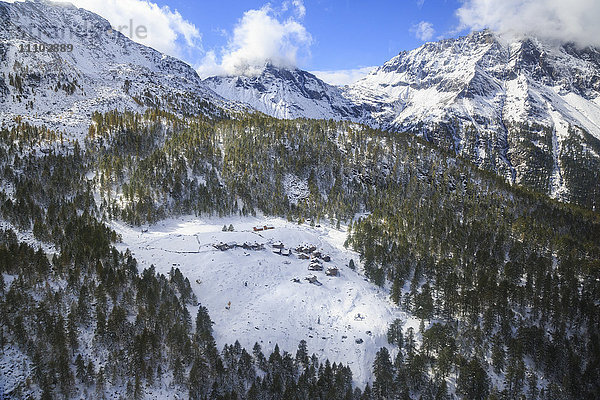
x=267 y=306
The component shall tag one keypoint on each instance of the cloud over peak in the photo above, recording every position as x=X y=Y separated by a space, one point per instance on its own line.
x=343 y=76
x=163 y=29
x=258 y=38
x=566 y=21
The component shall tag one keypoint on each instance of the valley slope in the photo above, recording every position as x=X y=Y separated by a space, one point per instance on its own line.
x=526 y=109
x=251 y=294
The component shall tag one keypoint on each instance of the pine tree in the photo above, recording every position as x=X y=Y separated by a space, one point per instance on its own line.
x=351 y=265
x=138 y=390
x=100 y=382
x=302 y=354
x=81 y=372
x=532 y=385
x=497 y=354
x=424 y=303
x=203 y=324
x=259 y=357
x=91 y=373
x=473 y=381
x=46 y=391
x=383 y=372
x=72 y=332
x=394 y=334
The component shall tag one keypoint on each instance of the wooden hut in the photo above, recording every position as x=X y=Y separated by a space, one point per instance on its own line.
x=315 y=265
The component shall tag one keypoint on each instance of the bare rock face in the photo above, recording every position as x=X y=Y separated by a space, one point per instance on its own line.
x=528 y=110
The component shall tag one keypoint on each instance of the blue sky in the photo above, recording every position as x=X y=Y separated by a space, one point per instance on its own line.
x=339 y=39
x=346 y=34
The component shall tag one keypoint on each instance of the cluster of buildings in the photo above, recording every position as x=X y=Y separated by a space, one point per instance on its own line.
x=309 y=252
x=246 y=246
x=262 y=228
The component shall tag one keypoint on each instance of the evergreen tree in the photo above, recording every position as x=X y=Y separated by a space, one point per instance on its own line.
x=383 y=372
x=302 y=354
x=473 y=381
x=394 y=334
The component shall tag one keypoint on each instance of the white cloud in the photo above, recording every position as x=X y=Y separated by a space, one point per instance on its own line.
x=573 y=20
x=260 y=38
x=300 y=9
x=420 y=3
x=209 y=65
x=344 y=76
x=297 y=5
x=145 y=22
x=166 y=30
x=423 y=30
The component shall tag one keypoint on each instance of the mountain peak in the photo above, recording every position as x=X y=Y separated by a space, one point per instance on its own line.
x=514 y=107
x=286 y=93
x=102 y=69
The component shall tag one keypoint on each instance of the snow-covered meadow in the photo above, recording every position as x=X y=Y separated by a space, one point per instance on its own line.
x=251 y=294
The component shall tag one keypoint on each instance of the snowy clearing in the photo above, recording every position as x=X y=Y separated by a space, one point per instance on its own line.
x=251 y=294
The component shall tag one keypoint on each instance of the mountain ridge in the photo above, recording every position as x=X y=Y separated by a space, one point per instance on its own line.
x=287 y=93
x=104 y=70
x=528 y=110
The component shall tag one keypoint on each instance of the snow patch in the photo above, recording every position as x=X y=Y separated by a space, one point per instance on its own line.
x=296 y=189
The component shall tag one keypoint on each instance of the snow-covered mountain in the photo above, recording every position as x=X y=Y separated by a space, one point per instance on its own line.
x=103 y=70
x=287 y=93
x=527 y=109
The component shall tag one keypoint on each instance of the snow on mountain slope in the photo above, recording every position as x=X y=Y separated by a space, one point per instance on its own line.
x=478 y=95
x=421 y=84
x=442 y=79
x=267 y=306
x=287 y=93
x=488 y=100
x=585 y=112
x=104 y=71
